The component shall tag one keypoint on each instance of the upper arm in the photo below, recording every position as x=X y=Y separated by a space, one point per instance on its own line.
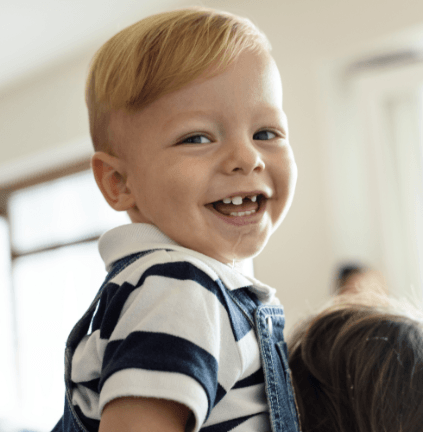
x=131 y=414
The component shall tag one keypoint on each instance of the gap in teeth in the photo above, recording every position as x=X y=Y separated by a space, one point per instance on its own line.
x=238 y=200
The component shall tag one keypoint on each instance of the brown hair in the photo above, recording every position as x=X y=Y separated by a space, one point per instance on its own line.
x=160 y=54
x=358 y=368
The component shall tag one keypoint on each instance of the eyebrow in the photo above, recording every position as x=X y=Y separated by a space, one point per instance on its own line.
x=190 y=114
x=198 y=114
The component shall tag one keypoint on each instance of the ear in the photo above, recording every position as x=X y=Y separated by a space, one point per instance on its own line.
x=111 y=179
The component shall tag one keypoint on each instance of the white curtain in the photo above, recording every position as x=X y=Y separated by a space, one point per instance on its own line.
x=398 y=156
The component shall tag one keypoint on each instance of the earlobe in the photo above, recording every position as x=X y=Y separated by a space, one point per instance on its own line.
x=111 y=179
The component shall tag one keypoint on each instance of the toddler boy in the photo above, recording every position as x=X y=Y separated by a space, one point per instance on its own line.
x=191 y=140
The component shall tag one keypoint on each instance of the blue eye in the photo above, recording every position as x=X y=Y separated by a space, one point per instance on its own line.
x=264 y=135
x=196 y=139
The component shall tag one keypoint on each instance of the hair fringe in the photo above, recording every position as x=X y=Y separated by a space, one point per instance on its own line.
x=161 y=54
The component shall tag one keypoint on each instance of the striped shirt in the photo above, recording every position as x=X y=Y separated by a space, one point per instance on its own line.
x=165 y=327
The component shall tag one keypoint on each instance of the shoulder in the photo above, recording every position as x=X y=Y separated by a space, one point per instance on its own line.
x=160 y=284
x=169 y=288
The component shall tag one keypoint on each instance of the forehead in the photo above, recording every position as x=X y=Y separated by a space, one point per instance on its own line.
x=252 y=77
x=250 y=87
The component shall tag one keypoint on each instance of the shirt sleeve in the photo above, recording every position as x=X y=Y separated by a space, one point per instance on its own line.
x=164 y=338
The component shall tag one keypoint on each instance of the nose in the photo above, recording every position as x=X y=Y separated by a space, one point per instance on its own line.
x=242 y=156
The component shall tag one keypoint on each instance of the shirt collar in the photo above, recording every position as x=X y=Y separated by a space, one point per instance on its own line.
x=136 y=237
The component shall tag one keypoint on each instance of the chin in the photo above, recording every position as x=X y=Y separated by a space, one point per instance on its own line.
x=228 y=255
x=245 y=254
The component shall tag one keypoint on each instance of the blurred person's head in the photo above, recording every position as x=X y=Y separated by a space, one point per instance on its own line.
x=359 y=367
x=347 y=273
x=359 y=283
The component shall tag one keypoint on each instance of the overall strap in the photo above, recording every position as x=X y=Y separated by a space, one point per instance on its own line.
x=269 y=322
x=247 y=302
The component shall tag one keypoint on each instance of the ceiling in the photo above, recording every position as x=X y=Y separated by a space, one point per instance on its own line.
x=37 y=33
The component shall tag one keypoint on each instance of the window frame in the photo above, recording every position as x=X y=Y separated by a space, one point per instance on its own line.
x=55 y=168
x=39 y=179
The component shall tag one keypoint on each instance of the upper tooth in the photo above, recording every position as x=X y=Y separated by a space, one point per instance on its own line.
x=238 y=200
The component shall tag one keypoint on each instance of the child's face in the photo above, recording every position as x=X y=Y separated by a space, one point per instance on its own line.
x=214 y=139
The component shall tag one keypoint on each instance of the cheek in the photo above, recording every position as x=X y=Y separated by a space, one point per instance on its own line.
x=287 y=174
x=285 y=179
x=185 y=181
x=176 y=189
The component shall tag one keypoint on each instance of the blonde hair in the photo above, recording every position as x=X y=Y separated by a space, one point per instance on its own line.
x=158 y=55
x=358 y=367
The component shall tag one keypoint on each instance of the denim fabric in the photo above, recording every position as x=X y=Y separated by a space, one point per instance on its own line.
x=268 y=322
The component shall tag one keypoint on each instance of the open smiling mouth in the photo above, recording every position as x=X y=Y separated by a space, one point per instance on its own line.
x=239 y=206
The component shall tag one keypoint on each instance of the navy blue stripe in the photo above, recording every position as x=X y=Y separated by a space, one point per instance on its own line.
x=220 y=394
x=90 y=424
x=254 y=379
x=239 y=323
x=92 y=385
x=114 y=298
x=118 y=266
x=227 y=425
x=164 y=353
x=105 y=299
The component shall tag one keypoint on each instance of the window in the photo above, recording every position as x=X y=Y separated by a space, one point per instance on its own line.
x=51 y=270
x=375 y=169
x=8 y=371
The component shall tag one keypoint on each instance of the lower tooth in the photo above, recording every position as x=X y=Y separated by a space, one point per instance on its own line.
x=247 y=213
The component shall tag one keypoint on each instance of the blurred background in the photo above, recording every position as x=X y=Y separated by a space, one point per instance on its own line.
x=353 y=77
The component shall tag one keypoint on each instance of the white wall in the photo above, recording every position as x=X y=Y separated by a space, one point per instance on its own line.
x=306 y=35
x=44 y=111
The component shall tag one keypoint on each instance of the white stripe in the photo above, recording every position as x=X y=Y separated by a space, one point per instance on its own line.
x=244 y=401
x=87 y=400
x=162 y=385
x=88 y=357
x=250 y=353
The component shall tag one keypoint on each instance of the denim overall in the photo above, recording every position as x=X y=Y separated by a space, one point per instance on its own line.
x=268 y=322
